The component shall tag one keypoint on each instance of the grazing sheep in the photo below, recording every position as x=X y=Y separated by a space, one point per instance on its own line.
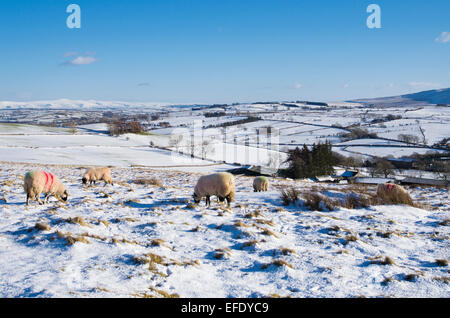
x=37 y=182
x=93 y=175
x=219 y=184
x=393 y=193
x=260 y=184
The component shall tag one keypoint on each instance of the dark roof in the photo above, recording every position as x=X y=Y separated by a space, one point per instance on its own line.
x=349 y=174
x=411 y=180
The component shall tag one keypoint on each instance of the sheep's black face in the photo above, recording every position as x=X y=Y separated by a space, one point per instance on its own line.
x=84 y=180
x=196 y=198
x=65 y=196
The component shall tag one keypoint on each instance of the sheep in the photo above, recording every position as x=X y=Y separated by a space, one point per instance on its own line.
x=260 y=184
x=37 y=182
x=93 y=175
x=393 y=193
x=219 y=184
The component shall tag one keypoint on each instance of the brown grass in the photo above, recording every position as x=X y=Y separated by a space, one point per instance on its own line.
x=445 y=222
x=442 y=262
x=278 y=263
x=269 y=233
x=152 y=260
x=379 y=260
x=72 y=239
x=398 y=198
x=42 y=227
x=239 y=223
x=289 y=195
x=286 y=251
x=149 y=181
x=250 y=243
x=266 y=222
x=77 y=220
x=163 y=293
x=442 y=279
x=253 y=214
x=222 y=253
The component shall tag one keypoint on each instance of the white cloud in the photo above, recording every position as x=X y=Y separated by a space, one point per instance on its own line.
x=298 y=85
x=346 y=85
x=70 y=53
x=81 y=60
x=423 y=85
x=443 y=38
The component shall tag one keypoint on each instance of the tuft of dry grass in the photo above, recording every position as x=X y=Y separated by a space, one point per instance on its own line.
x=249 y=243
x=289 y=195
x=287 y=251
x=396 y=198
x=413 y=277
x=253 y=214
x=72 y=239
x=222 y=253
x=445 y=222
x=266 y=222
x=163 y=293
x=152 y=260
x=77 y=220
x=149 y=181
x=379 y=260
x=442 y=262
x=278 y=263
x=239 y=223
x=269 y=233
x=42 y=227
x=318 y=202
x=443 y=279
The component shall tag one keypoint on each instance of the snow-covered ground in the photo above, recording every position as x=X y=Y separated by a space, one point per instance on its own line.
x=134 y=240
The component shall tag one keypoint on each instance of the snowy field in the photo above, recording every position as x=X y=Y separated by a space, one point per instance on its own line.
x=134 y=240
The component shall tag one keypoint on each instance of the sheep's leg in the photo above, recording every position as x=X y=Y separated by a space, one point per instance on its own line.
x=228 y=200
x=208 y=201
x=28 y=199
x=38 y=198
x=47 y=198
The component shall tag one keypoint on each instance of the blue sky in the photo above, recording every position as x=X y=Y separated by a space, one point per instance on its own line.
x=214 y=51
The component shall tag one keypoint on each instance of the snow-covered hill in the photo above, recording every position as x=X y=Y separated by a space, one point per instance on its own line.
x=77 y=104
x=146 y=240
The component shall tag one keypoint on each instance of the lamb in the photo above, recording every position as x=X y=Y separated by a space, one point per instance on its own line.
x=219 y=184
x=93 y=175
x=393 y=193
x=37 y=182
x=260 y=184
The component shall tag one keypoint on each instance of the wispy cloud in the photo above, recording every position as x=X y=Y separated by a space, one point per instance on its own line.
x=144 y=84
x=423 y=85
x=70 y=53
x=81 y=60
x=298 y=86
x=443 y=38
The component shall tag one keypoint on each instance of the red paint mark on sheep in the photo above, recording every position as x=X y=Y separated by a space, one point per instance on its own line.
x=47 y=177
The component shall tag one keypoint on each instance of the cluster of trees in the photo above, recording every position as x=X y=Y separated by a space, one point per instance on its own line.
x=308 y=163
x=120 y=127
x=232 y=123
x=357 y=133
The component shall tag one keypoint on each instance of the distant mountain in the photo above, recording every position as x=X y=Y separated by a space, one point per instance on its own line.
x=436 y=96
x=77 y=104
x=432 y=97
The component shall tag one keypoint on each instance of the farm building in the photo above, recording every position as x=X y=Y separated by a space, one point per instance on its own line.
x=422 y=181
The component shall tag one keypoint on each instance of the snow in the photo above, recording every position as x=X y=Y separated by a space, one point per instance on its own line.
x=123 y=220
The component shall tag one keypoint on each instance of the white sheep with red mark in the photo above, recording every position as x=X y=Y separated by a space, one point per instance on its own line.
x=93 y=175
x=393 y=193
x=219 y=184
x=38 y=182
